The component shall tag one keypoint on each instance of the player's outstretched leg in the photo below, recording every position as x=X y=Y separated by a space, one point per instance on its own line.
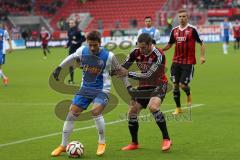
x=133 y=129
x=100 y=125
x=99 y=104
x=5 y=78
x=71 y=71
x=67 y=130
x=176 y=96
x=186 y=89
x=133 y=126
x=45 y=54
x=154 y=104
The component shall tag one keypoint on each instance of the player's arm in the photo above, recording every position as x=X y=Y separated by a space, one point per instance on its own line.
x=9 y=40
x=49 y=35
x=153 y=69
x=170 y=43
x=202 y=46
x=69 y=41
x=120 y=71
x=68 y=60
x=157 y=36
x=82 y=38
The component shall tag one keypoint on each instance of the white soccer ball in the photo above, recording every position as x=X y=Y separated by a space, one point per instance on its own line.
x=75 y=149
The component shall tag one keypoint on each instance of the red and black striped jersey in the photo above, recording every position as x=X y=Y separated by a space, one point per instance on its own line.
x=151 y=66
x=236 y=31
x=185 y=40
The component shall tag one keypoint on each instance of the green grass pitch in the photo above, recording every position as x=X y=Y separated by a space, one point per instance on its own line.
x=30 y=130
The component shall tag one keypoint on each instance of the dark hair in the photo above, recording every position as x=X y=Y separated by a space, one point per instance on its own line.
x=94 y=36
x=145 y=37
x=148 y=17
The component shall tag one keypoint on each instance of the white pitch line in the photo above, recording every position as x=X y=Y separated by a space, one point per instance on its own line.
x=49 y=104
x=78 y=129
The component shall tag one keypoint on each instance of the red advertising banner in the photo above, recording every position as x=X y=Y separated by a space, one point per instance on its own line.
x=209 y=29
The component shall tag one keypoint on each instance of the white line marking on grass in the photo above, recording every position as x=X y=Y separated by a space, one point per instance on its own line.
x=51 y=103
x=79 y=129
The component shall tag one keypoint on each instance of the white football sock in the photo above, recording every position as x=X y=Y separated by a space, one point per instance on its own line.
x=100 y=125
x=68 y=128
x=225 y=48
x=2 y=74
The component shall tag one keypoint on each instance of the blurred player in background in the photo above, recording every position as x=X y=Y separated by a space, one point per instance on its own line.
x=151 y=63
x=96 y=63
x=184 y=37
x=152 y=31
x=45 y=37
x=4 y=37
x=226 y=27
x=75 y=40
x=236 y=34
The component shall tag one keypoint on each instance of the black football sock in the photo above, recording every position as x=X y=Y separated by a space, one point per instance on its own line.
x=44 y=52
x=71 y=73
x=176 y=96
x=160 y=120
x=187 y=90
x=133 y=128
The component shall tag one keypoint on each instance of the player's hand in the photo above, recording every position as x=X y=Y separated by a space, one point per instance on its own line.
x=56 y=73
x=202 y=60
x=65 y=46
x=131 y=91
x=122 y=72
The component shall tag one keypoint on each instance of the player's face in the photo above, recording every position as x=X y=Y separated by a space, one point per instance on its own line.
x=148 y=22
x=94 y=46
x=183 y=18
x=72 y=24
x=145 y=48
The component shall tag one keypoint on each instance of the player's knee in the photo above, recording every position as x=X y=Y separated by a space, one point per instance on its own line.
x=133 y=111
x=75 y=111
x=154 y=104
x=176 y=86
x=153 y=108
x=183 y=86
x=95 y=112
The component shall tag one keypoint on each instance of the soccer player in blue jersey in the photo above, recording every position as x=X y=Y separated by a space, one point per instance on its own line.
x=96 y=63
x=4 y=36
x=226 y=27
x=152 y=31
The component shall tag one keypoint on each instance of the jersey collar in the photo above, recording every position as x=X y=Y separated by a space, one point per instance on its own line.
x=181 y=29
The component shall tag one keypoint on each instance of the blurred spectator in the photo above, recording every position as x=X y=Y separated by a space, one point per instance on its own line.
x=25 y=35
x=169 y=24
x=100 y=24
x=62 y=24
x=117 y=24
x=133 y=23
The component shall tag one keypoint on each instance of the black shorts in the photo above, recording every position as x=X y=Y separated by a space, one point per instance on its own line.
x=44 y=46
x=182 y=73
x=237 y=39
x=159 y=91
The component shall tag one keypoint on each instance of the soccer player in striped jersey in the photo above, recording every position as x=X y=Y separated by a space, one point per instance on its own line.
x=4 y=36
x=236 y=35
x=184 y=37
x=151 y=63
x=96 y=63
x=152 y=31
x=45 y=37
